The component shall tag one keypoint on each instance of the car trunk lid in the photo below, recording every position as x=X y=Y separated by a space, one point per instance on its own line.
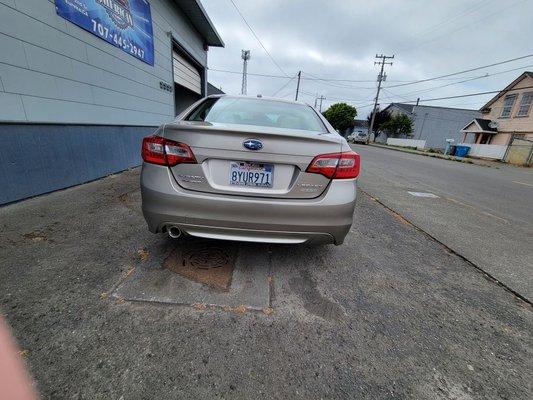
x=226 y=166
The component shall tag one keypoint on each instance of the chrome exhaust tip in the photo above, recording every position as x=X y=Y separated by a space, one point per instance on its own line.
x=174 y=232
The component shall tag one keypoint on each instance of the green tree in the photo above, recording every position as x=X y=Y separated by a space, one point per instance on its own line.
x=398 y=125
x=341 y=116
x=382 y=117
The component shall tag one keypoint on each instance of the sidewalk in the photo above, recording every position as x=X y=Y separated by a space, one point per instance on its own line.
x=485 y=163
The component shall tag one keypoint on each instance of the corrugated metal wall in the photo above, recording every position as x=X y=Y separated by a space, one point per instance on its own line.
x=436 y=124
x=37 y=159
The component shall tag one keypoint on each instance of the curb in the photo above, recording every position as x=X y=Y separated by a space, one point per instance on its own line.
x=437 y=155
x=480 y=269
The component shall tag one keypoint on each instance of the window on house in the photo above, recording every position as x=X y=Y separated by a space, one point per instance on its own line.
x=525 y=104
x=508 y=103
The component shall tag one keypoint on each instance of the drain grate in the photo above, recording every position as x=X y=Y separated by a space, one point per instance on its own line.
x=206 y=258
x=205 y=262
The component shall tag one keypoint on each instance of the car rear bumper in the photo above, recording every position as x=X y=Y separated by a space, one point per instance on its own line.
x=325 y=219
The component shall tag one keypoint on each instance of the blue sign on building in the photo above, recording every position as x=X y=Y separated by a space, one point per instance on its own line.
x=126 y=24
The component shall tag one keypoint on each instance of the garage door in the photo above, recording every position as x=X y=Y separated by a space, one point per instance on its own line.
x=186 y=74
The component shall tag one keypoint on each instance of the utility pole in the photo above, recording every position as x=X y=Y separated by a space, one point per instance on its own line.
x=381 y=78
x=321 y=98
x=245 y=55
x=298 y=85
x=316 y=99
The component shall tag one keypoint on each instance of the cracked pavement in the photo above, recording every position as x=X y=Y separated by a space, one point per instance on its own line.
x=390 y=314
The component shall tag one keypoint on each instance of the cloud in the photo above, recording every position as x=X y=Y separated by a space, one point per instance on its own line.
x=339 y=39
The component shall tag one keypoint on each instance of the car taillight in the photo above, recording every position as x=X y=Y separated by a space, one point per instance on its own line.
x=161 y=151
x=336 y=165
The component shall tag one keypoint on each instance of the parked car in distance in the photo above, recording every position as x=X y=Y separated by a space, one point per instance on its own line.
x=249 y=169
x=358 y=136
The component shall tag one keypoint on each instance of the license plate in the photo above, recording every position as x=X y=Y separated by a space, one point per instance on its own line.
x=251 y=174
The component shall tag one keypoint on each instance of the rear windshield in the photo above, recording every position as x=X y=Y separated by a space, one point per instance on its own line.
x=242 y=111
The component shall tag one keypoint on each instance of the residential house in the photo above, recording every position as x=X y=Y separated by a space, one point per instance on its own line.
x=506 y=115
x=435 y=124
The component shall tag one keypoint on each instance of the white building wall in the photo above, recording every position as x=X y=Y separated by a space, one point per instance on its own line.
x=494 y=151
x=419 y=144
x=52 y=71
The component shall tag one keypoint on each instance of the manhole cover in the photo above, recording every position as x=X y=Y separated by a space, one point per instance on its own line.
x=210 y=263
x=206 y=257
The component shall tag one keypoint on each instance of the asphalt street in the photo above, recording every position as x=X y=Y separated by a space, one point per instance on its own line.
x=485 y=214
x=391 y=314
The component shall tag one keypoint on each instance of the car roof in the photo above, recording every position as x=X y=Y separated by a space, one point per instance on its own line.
x=259 y=98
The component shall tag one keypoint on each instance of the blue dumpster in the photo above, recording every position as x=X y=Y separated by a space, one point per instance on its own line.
x=461 y=151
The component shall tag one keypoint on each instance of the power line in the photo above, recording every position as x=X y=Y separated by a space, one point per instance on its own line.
x=303 y=77
x=336 y=83
x=462 y=95
x=315 y=78
x=431 y=99
x=249 y=73
x=461 y=72
x=403 y=84
x=259 y=40
x=499 y=12
x=354 y=102
x=283 y=86
x=349 y=100
x=487 y=75
x=394 y=94
x=441 y=86
x=365 y=106
x=447 y=21
x=360 y=81
x=469 y=95
x=402 y=96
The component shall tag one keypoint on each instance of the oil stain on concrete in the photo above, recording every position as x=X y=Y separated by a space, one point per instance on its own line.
x=313 y=301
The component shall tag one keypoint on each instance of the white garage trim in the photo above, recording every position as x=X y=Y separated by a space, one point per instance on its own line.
x=186 y=74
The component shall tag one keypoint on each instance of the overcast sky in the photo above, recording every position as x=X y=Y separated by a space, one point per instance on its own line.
x=338 y=39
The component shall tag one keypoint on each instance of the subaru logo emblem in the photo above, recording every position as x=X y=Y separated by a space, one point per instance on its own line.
x=252 y=144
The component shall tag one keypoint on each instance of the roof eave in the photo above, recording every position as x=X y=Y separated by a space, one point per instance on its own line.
x=197 y=15
x=481 y=130
x=469 y=131
x=506 y=89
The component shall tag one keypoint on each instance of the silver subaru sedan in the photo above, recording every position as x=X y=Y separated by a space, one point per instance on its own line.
x=249 y=169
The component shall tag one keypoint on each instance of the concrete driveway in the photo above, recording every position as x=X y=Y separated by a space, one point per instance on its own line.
x=100 y=312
